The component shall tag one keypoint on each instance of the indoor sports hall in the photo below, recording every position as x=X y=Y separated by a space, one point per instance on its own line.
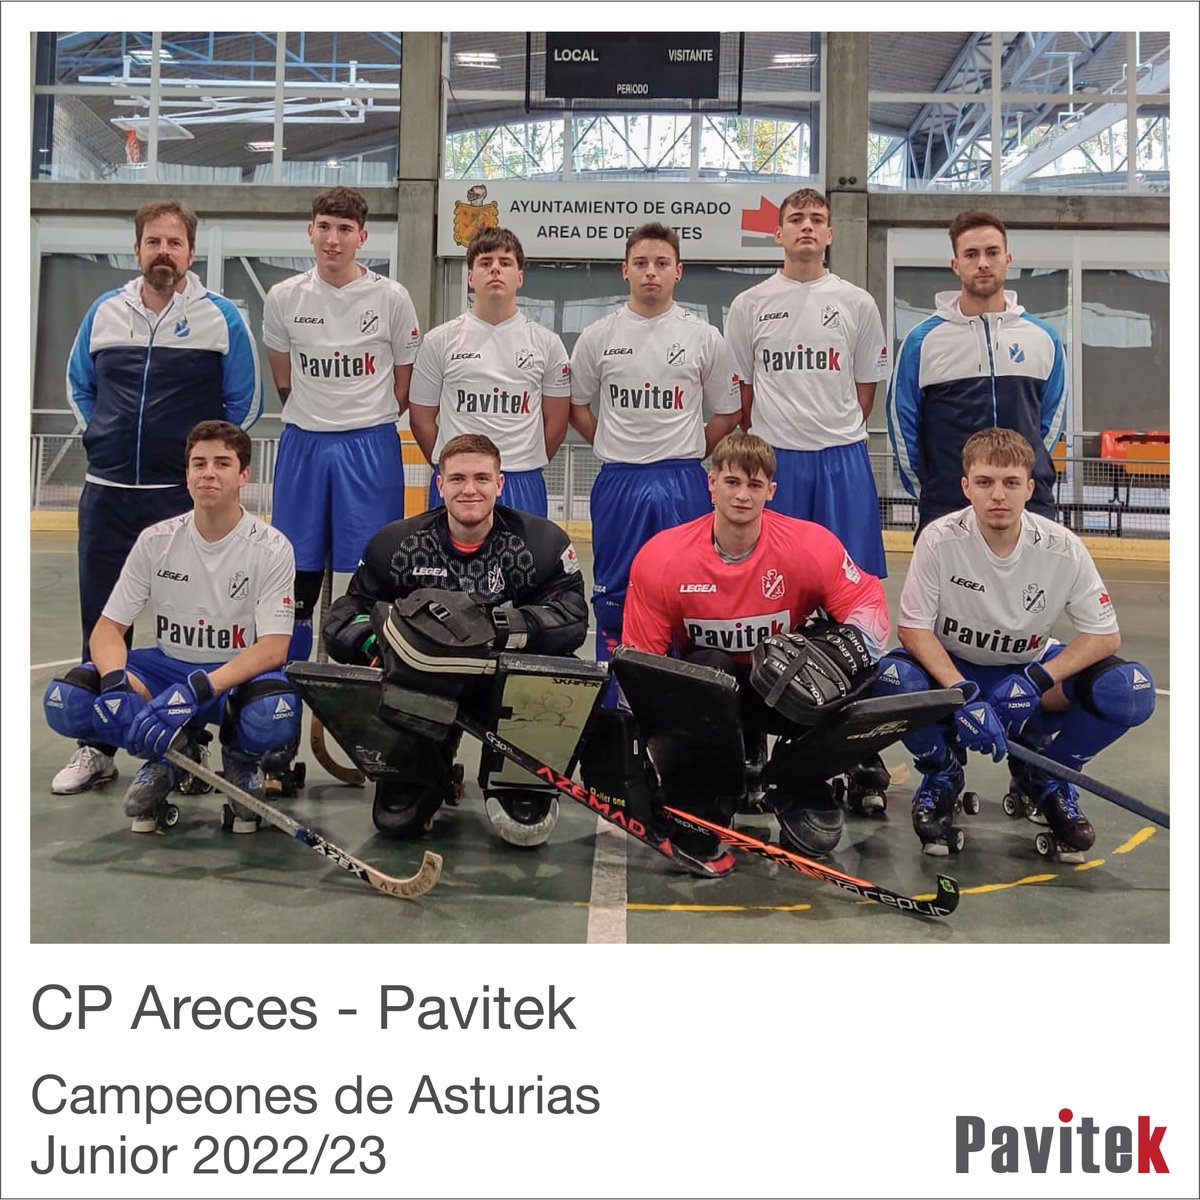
x=1063 y=136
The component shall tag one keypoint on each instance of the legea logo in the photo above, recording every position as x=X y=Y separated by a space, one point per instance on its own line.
x=1083 y=1147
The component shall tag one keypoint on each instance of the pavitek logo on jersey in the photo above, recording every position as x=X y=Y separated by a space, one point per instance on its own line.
x=200 y=636
x=803 y=358
x=990 y=639
x=1086 y=1147
x=647 y=396
x=338 y=366
x=498 y=400
x=740 y=635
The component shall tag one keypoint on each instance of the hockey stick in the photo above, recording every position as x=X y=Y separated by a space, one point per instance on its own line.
x=1117 y=797
x=946 y=903
x=613 y=813
x=427 y=874
x=316 y=733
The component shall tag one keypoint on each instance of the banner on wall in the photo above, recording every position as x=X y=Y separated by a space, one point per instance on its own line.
x=718 y=222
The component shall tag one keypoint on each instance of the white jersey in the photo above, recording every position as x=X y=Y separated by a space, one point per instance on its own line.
x=803 y=346
x=654 y=382
x=994 y=611
x=344 y=344
x=210 y=600
x=490 y=379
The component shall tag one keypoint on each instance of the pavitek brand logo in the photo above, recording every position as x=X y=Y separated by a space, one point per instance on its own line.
x=1085 y=1147
x=200 y=636
x=647 y=396
x=339 y=366
x=803 y=358
x=498 y=400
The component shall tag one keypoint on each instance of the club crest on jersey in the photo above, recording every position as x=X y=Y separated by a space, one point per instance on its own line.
x=239 y=586
x=1033 y=598
x=524 y=359
x=772 y=585
x=831 y=318
x=495 y=580
x=676 y=355
x=181 y=328
x=850 y=571
x=368 y=322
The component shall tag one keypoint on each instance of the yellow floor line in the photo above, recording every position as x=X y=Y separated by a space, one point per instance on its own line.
x=1135 y=841
x=1087 y=866
x=999 y=887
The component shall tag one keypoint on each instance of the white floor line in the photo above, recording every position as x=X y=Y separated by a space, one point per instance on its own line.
x=62 y=662
x=606 y=914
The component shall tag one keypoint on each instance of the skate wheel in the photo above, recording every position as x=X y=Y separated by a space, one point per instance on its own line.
x=457 y=789
x=1046 y=846
x=873 y=802
x=970 y=803
x=1013 y=805
x=170 y=816
x=842 y=794
x=226 y=818
x=957 y=840
x=299 y=774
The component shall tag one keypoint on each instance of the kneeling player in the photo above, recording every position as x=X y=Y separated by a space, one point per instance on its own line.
x=714 y=588
x=519 y=568
x=986 y=585
x=219 y=583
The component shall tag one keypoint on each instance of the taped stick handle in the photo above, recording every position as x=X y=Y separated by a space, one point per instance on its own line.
x=1112 y=794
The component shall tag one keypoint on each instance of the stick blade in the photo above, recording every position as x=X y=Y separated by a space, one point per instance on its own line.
x=423 y=880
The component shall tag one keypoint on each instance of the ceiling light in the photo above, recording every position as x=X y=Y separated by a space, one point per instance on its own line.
x=333 y=164
x=793 y=60
x=261 y=147
x=482 y=58
x=147 y=56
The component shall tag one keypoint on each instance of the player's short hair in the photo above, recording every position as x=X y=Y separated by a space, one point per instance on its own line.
x=231 y=436
x=655 y=230
x=165 y=208
x=341 y=202
x=975 y=218
x=469 y=443
x=488 y=241
x=745 y=451
x=997 y=448
x=801 y=197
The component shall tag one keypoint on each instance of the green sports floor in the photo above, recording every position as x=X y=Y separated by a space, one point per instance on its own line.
x=91 y=880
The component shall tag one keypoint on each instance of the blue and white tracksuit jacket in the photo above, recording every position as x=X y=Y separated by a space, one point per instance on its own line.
x=956 y=375
x=139 y=380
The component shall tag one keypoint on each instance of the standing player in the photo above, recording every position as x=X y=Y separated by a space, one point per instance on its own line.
x=218 y=582
x=653 y=372
x=985 y=588
x=149 y=361
x=980 y=361
x=712 y=589
x=341 y=341
x=492 y=371
x=520 y=568
x=809 y=350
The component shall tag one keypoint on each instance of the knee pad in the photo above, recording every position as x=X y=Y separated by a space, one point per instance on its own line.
x=1114 y=690
x=68 y=701
x=262 y=714
x=899 y=674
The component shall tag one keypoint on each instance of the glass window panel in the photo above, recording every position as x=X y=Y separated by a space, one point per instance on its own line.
x=1126 y=350
x=1154 y=149
x=943 y=146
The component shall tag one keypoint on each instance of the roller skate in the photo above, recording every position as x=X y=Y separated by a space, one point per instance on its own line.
x=244 y=771
x=938 y=799
x=1021 y=798
x=281 y=776
x=756 y=763
x=810 y=819
x=866 y=786
x=146 y=798
x=1070 y=834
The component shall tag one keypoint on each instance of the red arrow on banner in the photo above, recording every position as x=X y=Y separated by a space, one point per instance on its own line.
x=763 y=219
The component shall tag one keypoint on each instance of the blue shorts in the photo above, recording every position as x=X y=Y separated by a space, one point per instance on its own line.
x=334 y=491
x=834 y=487
x=631 y=502
x=525 y=490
